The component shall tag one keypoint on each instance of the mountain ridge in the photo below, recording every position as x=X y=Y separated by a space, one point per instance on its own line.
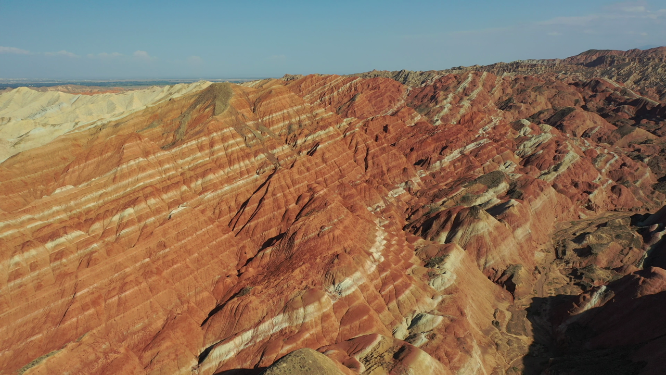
x=620 y=66
x=473 y=223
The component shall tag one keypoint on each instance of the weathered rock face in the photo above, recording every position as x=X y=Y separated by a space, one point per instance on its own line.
x=391 y=228
x=641 y=70
x=304 y=362
x=594 y=316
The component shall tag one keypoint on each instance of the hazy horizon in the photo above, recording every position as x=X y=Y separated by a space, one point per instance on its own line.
x=45 y=80
x=75 y=40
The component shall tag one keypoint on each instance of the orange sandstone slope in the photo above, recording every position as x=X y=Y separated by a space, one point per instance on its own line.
x=391 y=228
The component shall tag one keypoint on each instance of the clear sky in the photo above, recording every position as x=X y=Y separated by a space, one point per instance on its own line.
x=117 y=39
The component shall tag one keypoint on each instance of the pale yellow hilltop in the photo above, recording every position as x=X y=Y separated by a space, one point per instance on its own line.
x=30 y=118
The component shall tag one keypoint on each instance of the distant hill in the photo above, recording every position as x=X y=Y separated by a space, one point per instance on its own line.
x=642 y=70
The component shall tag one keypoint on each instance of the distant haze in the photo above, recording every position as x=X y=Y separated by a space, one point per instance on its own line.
x=234 y=39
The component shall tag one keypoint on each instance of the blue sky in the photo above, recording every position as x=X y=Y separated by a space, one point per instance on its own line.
x=241 y=39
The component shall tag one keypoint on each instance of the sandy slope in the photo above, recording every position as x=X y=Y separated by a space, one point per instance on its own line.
x=29 y=118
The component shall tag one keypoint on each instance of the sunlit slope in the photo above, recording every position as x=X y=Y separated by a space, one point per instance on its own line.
x=30 y=118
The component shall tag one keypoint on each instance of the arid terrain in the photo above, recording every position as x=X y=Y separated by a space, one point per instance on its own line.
x=501 y=219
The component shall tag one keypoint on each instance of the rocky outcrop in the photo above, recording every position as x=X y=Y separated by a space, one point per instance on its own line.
x=390 y=228
x=304 y=362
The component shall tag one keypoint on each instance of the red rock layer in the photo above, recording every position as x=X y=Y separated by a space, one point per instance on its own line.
x=230 y=227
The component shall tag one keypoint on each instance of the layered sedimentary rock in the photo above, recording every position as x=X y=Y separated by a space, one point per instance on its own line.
x=30 y=118
x=390 y=227
x=641 y=70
